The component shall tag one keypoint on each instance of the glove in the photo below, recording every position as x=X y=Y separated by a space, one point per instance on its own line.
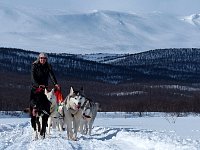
x=57 y=87
x=34 y=111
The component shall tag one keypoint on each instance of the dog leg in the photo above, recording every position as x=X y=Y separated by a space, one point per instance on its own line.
x=44 y=125
x=34 y=126
x=49 y=124
x=54 y=122
x=81 y=125
x=38 y=124
x=35 y=135
x=86 y=127
x=60 y=125
x=90 y=126
x=76 y=126
x=69 y=129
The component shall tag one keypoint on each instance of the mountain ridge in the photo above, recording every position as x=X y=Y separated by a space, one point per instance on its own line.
x=166 y=64
x=99 y=31
x=148 y=85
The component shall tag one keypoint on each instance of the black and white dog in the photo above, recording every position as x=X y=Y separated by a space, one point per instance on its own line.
x=73 y=112
x=40 y=109
x=89 y=113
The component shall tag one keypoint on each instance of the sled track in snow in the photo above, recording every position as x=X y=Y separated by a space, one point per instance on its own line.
x=19 y=137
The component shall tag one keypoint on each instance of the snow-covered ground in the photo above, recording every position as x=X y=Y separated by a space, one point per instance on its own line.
x=111 y=131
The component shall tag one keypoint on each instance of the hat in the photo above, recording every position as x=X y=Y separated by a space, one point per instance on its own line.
x=43 y=55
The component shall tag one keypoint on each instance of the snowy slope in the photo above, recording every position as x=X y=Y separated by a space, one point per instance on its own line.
x=114 y=132
x=93 y=32
x=100 y=57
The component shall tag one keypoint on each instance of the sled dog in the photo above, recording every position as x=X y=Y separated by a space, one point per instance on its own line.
x=89 y=113
x=55 y=118
x=73 y=112
x=40 y=114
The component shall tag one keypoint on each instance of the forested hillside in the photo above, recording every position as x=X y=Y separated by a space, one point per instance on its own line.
x=68 y=66
x=159 y=80
x=178 y=64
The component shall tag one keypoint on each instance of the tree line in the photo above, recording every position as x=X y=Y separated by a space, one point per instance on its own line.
x=114 y=87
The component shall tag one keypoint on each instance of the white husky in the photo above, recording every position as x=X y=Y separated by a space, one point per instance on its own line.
x=73 y=112
x=88 y=116
x=54 y=118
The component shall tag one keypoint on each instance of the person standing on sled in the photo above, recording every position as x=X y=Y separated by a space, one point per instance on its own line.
x=40 y=73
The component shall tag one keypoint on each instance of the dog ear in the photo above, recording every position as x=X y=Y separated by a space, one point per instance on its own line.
x=45 y=91
x=52 y=91
x=71 y=91
x=82 y=90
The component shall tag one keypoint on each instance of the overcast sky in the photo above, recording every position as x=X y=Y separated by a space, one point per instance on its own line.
x=180 y=7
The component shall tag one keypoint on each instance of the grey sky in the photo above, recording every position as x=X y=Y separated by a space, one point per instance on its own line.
x=180 y=7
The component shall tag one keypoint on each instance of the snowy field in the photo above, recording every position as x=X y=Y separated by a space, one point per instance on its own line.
x=112 y=131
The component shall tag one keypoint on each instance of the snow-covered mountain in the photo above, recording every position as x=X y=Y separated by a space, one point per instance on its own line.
x=95 y=32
